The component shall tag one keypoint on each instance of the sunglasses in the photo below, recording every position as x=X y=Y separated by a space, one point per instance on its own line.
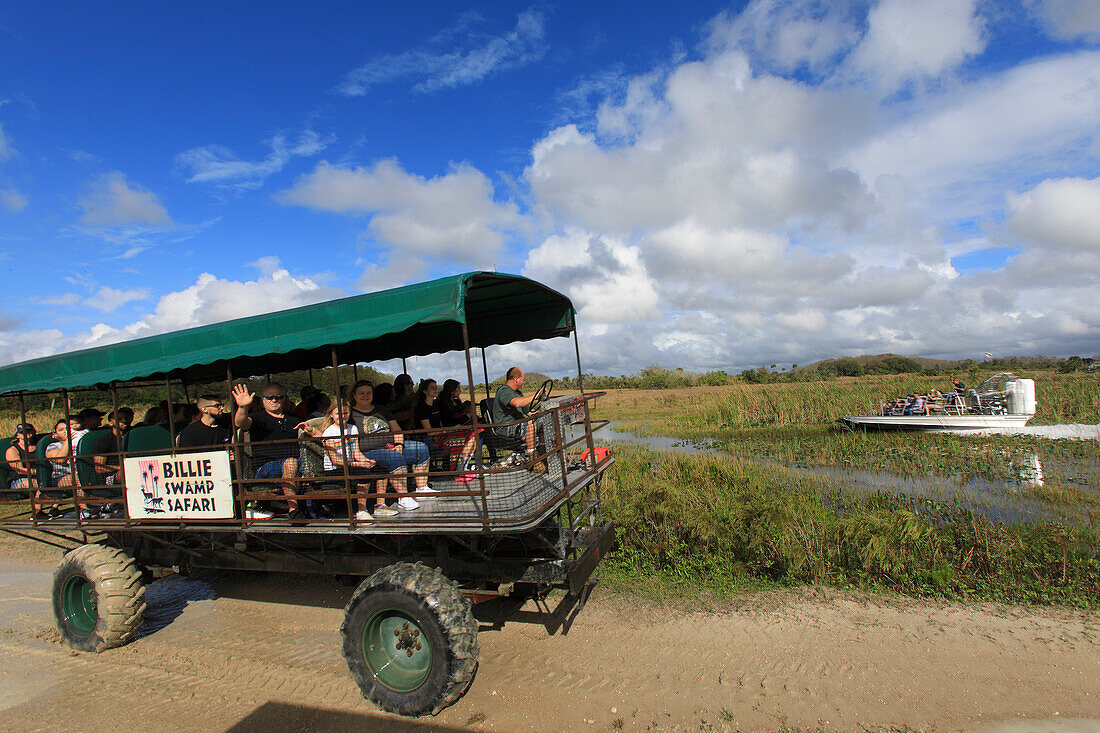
x=274 y=396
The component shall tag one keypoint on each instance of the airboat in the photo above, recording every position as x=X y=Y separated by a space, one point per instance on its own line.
x=1004 y=400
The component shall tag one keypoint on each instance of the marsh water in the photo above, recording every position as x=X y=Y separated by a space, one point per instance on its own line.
x=1030 y=497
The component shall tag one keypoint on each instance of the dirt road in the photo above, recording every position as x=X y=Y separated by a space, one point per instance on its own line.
x=228 y=652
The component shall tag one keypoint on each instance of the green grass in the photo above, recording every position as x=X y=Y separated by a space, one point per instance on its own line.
x=1062 y=398
x=713 y=521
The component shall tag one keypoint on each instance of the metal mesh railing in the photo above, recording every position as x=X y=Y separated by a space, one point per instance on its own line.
x=492 y=478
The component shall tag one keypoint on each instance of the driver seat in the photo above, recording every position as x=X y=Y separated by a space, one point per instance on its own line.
x=493 y=440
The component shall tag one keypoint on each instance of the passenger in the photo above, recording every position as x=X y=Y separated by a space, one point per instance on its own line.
x=383 y=394
x=57 y=451
x=271 y=422
x=191 y=414
x=452 y=410
x=381 y=440
x=915 y=405
x=105 y=450
x=429 y=414
x=318 y=405
x=90 y=418
x=213 y=427
x=301 y=410
x=155 y=415
x=19 y=456
x=510 y=405
x=336 y=441
x=404 y=401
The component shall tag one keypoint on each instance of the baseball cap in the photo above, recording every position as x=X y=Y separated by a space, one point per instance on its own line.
x=25 y=427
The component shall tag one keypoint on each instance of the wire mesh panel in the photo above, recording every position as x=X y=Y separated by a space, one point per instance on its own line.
x=499 y=477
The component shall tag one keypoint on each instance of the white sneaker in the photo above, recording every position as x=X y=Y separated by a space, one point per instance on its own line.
x=408 y=503
x=364 y=516
x=384 y=511
x=428 y=489
x=257 y=513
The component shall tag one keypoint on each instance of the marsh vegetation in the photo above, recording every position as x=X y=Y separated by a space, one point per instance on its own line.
x=776 y=493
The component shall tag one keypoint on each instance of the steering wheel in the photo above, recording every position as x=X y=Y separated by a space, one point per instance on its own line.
x=541 y=394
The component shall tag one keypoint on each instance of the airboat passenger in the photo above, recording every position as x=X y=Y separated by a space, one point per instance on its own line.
x=211 y=429
x=509 y=405
x=336 y=441
x=381 y=440
x=18 y=456
x=271 y=422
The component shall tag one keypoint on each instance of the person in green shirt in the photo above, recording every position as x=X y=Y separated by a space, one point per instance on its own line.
x=510 y=405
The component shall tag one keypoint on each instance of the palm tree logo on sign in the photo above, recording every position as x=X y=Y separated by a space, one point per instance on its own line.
x=150 y=486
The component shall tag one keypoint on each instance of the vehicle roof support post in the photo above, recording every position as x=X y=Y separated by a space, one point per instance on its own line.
x=404 y=369
x=69 y=439
x=485 y=370
x=311 y=375
x=343 y=428
x=26 y=459
x=477 y=433
x=238 y=458
x=584 y=401
x=171 y=409
x=121 y=471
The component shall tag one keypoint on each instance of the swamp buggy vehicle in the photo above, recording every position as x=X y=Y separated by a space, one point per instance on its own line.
x=409 y=633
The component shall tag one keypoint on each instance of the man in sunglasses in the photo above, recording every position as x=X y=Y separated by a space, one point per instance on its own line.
x=272 y=423
x=211 y=429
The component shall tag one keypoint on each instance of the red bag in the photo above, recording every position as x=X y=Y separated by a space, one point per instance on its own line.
x=601 y=454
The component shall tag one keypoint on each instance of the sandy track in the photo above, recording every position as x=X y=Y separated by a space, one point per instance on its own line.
x=229 y=652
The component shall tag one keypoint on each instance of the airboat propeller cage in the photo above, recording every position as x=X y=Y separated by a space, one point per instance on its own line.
x=1021 y=396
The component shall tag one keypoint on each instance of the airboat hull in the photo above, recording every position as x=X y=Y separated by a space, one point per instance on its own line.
x=935 y=423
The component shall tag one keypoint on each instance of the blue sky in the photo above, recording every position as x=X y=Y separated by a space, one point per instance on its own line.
x=715 y=185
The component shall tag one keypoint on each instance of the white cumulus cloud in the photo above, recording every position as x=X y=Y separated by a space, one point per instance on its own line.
x=111 y=200
x=1059 y=214
x=917 y=39
x=452 y=217
x=1068 y=19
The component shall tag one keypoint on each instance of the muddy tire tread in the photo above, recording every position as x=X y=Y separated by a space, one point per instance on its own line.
x=120 y=595
x=454 y=614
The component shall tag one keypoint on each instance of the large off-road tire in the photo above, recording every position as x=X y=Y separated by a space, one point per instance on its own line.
x=410 y=640
x=98 y=598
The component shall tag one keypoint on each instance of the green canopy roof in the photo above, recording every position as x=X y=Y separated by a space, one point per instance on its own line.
x=414 y=320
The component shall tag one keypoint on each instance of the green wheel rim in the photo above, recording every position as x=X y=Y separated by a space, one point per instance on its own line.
x=397 y=651
x=78 y=604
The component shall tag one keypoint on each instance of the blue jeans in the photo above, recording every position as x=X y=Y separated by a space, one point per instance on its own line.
x=272 y=469
x=414 y=454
